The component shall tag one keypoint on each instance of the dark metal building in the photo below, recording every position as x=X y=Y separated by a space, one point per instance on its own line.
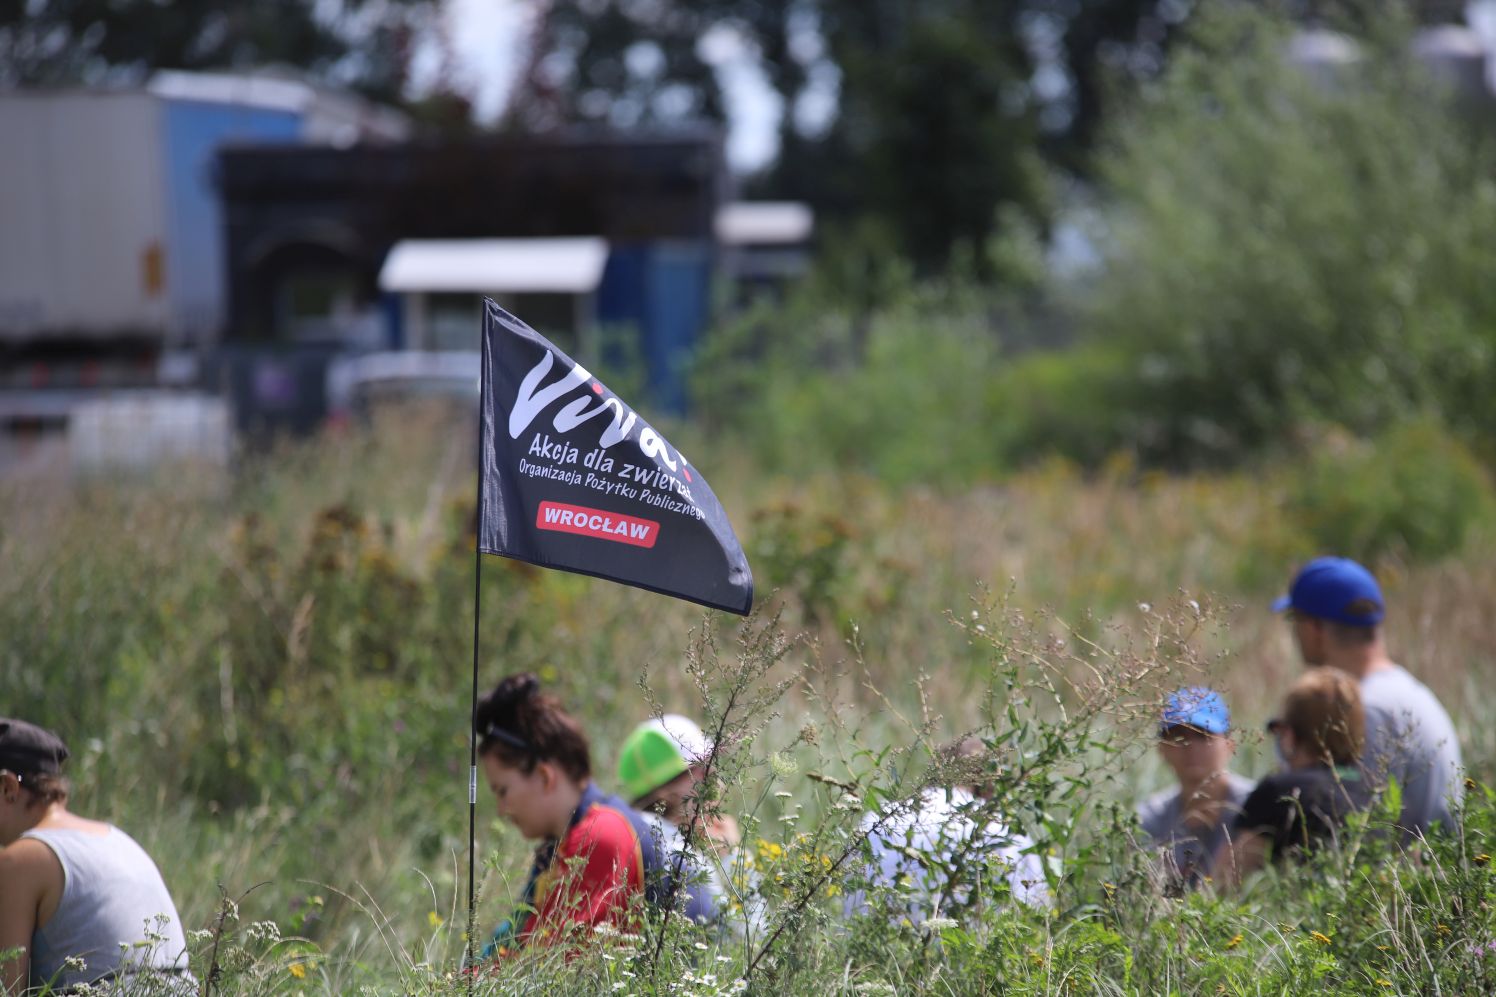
x=308 y=229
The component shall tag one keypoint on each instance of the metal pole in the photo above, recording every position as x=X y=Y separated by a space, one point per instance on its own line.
x=473 y=757
x=472 y=928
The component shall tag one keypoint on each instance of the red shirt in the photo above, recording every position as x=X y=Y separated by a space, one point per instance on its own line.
x=594 y=875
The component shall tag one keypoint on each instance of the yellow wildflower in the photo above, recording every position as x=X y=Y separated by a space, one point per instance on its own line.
x=434 y=919
x=770 y=850
x=297 y=970
x=1383 y=983
x=1323 y=939
x=1235 y=941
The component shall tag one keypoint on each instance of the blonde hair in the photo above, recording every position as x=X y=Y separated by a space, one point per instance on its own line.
x=1323 y=709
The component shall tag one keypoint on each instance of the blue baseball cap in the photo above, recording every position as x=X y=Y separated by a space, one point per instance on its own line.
x=1198 y=707
x=1335 y=588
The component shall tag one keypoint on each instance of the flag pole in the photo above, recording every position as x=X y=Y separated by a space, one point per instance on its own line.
x=473 y=751
x=472 y=926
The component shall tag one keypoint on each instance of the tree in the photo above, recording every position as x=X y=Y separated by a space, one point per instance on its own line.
x=363 y=44
x=617 y=63
x=1280 y=252
x=941 y=117
x=936 y=126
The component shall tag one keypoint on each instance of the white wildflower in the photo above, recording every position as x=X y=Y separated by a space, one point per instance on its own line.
x=266 y=930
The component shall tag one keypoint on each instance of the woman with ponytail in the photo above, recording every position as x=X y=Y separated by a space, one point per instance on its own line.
x=1320 y=738
x=597 y=858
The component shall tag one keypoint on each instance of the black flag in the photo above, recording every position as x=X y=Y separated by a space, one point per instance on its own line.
x=572 y=478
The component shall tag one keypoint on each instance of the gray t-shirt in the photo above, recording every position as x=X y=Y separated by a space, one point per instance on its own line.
x=1409 y=737
x=115 y=915
x=1189 y=851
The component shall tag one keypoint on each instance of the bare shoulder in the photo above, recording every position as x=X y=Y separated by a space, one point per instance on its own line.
x=29 y=865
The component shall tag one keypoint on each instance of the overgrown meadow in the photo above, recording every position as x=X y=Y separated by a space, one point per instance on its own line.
x=265 y=679
x=1021 y=513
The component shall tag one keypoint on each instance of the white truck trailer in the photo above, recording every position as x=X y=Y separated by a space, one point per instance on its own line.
x=111 y=225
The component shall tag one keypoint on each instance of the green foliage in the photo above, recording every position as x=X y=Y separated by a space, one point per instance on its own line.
x=1414 y=493
x=1280 y=250
x=900 y=393
x=941 y=114
x=935 y=125
x=268 y=685
x=619 y=65
x=1074 y=402
x=64 y=42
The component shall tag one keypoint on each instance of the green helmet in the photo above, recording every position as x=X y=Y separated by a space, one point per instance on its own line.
x=656 y=752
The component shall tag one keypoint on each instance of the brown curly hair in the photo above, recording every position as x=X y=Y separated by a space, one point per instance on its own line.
x=520 y=725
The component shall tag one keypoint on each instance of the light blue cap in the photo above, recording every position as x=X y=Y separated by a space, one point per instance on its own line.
x=1198 y=707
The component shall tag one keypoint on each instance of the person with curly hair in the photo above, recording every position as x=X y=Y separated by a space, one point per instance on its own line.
x=599 y=861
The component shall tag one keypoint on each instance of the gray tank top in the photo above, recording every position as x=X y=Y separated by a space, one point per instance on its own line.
x=115 y=913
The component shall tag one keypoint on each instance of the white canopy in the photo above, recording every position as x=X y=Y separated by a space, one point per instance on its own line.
x=748 y=223
x=498 y=266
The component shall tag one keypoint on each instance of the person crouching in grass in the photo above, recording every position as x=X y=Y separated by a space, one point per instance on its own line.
x=1190 y=820
x=597 y=860
x=81 y=904
x=1319 y=737
x=946 y=849
x=662 y=769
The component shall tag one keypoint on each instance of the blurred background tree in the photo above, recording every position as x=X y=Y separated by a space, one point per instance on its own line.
x=941 y=112
x=361 y=44
x=1281 y=257
x=618 y=64
x=1283 y=250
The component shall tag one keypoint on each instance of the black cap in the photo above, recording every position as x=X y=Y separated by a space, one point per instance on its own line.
x=27 y=749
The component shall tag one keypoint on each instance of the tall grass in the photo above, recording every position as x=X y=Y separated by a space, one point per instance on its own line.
x=264 y=679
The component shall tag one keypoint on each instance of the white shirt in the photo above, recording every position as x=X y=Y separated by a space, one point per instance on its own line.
x=913 y=851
